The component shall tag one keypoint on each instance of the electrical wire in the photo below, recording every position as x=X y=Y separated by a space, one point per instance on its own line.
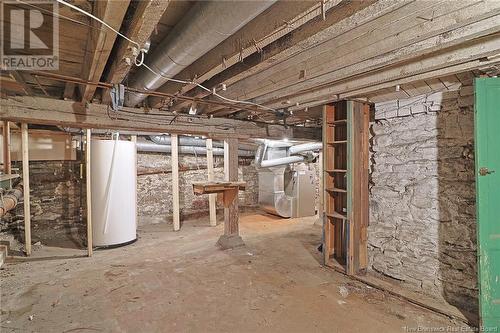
x=141 y=63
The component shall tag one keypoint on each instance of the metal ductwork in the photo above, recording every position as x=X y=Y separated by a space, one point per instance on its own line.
x=10 y=198
x=184 y=141
x=193 y=150
x=207 y=24
x=283 y=190
x=273 y=153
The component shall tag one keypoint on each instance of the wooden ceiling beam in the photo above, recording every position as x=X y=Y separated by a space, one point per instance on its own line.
x=45 y=111
x=358 y=52
x=19 y=79
x=277 y=21
x=100 y=41
x=299 y=39
x=142 y=24
x=473 y=54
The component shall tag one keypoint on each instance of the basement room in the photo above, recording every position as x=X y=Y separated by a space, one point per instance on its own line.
x=249 y=166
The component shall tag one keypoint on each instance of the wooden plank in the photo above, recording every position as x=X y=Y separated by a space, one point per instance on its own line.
x=6 y=148
x=26 y=189
x=307 y=35
x=340 y=157
x=399 y=38
x=216 y=187
x=450 y=61
x=44 y=111
x=210 y=171
x=364 y=203
x=88 y=137
x=321 y=204
x=226 y=160
x=231 y=214
x=357 y=211
x=19 y=79
x=279 y=20
x=100 y=41
x=69 y=91
x=144 y=20
x=175 y=182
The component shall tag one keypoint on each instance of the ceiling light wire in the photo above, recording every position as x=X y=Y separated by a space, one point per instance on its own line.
x=141 y=63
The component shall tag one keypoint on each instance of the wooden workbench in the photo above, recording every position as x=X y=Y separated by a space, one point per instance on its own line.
x=227 y=194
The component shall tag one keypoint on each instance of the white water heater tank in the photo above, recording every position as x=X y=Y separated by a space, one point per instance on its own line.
x=113 y=180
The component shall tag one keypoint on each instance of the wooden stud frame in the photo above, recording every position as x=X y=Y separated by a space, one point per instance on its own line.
x=88 y=140
x=210 y=170
x=175 y=182
x=26 y=189
x=6 y=148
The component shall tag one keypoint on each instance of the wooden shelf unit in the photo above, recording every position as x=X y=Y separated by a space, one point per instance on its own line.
x=345 y=183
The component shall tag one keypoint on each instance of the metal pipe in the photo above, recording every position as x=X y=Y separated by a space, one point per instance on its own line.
x=183 y=141
x=292 y=151
x=194 y=150
x=310 y=146
x=10 y=200
x=205 y=26
x=193 y=141
x=282 y=161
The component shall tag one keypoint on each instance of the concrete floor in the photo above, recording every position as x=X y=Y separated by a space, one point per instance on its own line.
x=181 y=282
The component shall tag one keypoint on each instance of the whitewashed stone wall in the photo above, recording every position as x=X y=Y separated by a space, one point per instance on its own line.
x=154 y=191
x=422 y=195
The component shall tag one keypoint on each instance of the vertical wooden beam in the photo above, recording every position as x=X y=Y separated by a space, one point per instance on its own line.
x=88 y=145
x=175 y=182
x=6 y=148
x=231 y=237
x=26 y=188
x=364 y=204
x=226 y=160
x=211 y=197
x=133 y=138
x=100 y=42
x=358 y=136
x=321 y=187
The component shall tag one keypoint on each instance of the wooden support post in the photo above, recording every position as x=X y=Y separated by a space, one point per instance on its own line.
x=231 y=237
x=175 y=182
x=321 y=188
x=358 y=115
x=6 y=148
x=133 y=138
x=88 y=138
x=211 y=197
x=226 y=160
x=26 y=188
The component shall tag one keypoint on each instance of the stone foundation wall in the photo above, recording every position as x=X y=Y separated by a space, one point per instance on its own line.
x=422 y=197
x=57 y=199
x=154 y=190
x=58 y=194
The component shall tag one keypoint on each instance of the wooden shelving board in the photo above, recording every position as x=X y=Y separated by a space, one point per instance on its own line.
x=345 y=184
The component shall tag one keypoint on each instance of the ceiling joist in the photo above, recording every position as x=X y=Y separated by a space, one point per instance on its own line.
x=45 y=111
x=142 y=24
x=101 y=41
